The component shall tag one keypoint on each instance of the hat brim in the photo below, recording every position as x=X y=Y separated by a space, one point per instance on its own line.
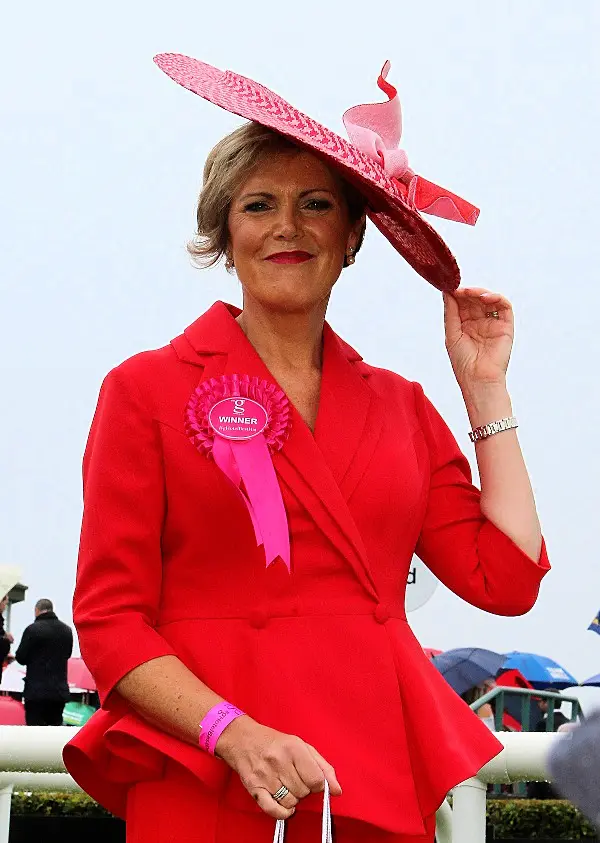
x=418 y=243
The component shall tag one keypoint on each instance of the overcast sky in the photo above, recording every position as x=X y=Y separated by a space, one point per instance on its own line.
x=101 y=159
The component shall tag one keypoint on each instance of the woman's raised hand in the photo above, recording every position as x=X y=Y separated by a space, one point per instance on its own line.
x=478 y=345
x=266 y=759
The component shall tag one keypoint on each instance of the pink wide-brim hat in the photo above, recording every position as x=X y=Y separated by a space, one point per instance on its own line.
x=371 y=160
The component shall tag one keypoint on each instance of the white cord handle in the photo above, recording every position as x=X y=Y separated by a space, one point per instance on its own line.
x=325 y=828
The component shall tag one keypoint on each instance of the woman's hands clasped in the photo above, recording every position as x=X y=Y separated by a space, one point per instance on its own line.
x=266 y=759
x=478 y=344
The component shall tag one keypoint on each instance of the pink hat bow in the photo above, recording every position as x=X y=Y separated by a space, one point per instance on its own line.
x=375 y=129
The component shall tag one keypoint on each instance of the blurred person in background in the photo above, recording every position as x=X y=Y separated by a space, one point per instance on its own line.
x=559 y=717
x=45 y=649
x=573 y=764
x=544 y=790
x=6 y=639
x=486 y=711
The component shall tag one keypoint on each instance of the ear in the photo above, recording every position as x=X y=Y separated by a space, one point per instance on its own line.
x=356 y=234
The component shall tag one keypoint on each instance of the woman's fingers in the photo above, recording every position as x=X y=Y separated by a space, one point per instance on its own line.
x=300 y=767
x=270 y=761
x=291 y=798
x=480 y=301
x=276 y=776
x=494 y=302
x=286 y=767
x=310 y=770
x=327 y=772
x=452 y=320
x=271 y=806
x=472 y=292
x=477 y=313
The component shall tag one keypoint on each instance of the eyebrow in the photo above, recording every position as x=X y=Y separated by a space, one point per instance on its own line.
x=266 y=195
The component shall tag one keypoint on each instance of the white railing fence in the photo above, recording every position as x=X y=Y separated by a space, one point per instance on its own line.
x=524 y=758
x=31 y=759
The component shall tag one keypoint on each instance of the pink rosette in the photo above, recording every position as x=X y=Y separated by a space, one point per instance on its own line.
x=245 y=458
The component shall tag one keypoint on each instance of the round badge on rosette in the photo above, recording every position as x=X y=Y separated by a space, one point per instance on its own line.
x=239 y=421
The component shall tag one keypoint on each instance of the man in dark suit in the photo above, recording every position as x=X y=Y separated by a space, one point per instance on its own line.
x=45 y=649
x=559 y=718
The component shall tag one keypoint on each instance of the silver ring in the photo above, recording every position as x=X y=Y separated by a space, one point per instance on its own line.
x=281 y=793
x=493 y=314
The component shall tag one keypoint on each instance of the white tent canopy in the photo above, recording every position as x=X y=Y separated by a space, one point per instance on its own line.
x=10 y=575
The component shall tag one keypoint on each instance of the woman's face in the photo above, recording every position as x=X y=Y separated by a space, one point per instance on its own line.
x=289 y=232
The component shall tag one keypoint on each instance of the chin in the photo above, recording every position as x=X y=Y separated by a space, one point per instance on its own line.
x=291 y=302
x=298 y=289
x=290 y=298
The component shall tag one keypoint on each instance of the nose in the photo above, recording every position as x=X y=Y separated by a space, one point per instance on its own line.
x=287 y=223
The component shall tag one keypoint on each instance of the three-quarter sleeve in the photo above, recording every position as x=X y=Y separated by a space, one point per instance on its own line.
x=119 y=569
x=466 y=551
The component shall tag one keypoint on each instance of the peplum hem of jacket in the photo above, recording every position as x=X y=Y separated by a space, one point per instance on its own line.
x=430 y=740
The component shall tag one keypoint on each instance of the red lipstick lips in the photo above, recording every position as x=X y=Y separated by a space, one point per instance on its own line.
x=289 y=257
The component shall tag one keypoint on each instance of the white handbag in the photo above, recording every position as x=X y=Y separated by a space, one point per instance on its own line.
x=326 y=825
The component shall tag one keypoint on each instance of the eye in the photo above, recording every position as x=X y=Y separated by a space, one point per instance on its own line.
x=319 y=204
x=256 y=207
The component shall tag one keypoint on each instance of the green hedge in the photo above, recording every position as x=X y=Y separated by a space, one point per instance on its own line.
x=533 y=819
x=56 y=805
x=527 y=819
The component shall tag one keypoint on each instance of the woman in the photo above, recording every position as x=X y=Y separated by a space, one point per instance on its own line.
x=486 y=711
x=240 y=596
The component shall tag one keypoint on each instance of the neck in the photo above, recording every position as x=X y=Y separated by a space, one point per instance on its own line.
x=291 y=341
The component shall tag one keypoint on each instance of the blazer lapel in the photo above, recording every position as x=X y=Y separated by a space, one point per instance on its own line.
x=350 y=414
x=302 y=466
x=217 y=343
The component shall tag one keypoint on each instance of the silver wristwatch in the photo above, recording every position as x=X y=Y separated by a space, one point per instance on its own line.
x=493 y=427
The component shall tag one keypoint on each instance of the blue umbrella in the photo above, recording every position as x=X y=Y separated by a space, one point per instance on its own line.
x=593 y=680
x=467 y=667
x=540 y=671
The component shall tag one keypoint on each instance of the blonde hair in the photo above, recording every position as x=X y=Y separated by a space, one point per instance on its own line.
x=226 y=167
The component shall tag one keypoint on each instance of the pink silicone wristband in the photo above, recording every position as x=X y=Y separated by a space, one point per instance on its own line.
x=215 y=722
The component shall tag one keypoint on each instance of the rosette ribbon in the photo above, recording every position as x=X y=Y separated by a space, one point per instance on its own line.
x=375 y=129
x=246 y=460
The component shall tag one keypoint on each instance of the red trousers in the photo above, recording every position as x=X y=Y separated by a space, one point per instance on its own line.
x=178 y=809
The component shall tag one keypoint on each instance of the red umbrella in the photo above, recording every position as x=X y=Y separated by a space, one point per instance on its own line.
x=431 y=652
x=12 y=712
x=78 y=676
x=513 y=706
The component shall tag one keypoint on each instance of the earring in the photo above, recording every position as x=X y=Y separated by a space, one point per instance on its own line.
x=350 y=258
x=229 y=264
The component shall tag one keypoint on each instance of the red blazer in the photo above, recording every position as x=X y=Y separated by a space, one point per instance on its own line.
x=169 y=565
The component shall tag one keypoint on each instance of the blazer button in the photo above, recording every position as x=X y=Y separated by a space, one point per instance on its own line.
x=258 y=618
x=381 y=614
